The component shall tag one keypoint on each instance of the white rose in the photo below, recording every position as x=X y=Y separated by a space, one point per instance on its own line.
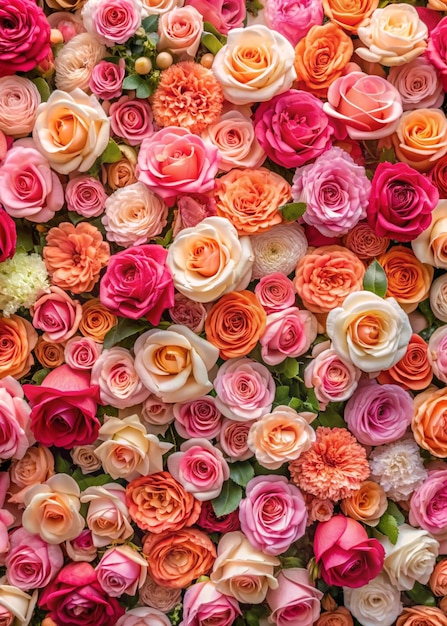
x=19 y=604
x=375 y=604
x=210 y=260
x=371 y=332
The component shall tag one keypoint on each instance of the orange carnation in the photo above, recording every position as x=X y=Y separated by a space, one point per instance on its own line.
x=235 y=323
x=321 y=57
x=413 y=371
x=96 y=320
x=49 y=354
x=421 y=615
x=75 y=255
x=430 y=417
x=349 y=14
x=176 y=558
x=250 y=198
x=17 y=339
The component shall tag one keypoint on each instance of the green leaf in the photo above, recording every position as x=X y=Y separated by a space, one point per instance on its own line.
x=394 y=510
x=282 y=394
x=150 y=23
x=24 y=236
x=91 y=481
x=210 y=28
x=388 y=526
x=211 y=42
x=42 y=88
x=260 y=470
x=296 y=404
x=426 y=311
x=241 y=472
x=125 y=328
x=228 y=499
x=291 y=367
x=40 y=376
x=144 y=91
x=75 y=218
x=375 y=279
x=387 y=156
x=133 y=81
x=253 y=615
x=292 y=211
x=313 y=400
x=421 y=595
x=61 y=465
x=112 y=153
x=291 y=561
x=331 y=418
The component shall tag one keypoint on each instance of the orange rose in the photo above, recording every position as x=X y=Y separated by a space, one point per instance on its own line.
x=176 y=558
x=96 y=320
x=430 y=417
x=17 y=339
x=349 y=14
x=364 y=242
x=421 y=138
x=438 y=579
x=324 y=277
x=159 y=503
x=422 y=616
x=413 y=371
x=337 y=617
x=366 y=505
x=49 y=354
x=122 y=172
x=409 y=280
x=235 y=323
x=321 y=57
x=250 y=198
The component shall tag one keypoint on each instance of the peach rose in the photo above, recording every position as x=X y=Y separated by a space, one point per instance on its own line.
x=367 y=505
x=75 y=62
x=428 y=425
x=421 y=615
x=84 y=456
x=421 y=138
x=107 y=516
x=122 y=172
x=338 y=617
x=414 y=370
x=364 y=242
x=35 y=467
x=349 y=15
x=96 y=320
x=119 y=384
x=438 y=579
x=162 y=598
x=180 y=30
x=19 y=99
x=438 y=297
x=17 y=339
x=431 y=245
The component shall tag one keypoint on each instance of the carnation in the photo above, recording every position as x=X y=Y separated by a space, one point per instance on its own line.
x=22 y=279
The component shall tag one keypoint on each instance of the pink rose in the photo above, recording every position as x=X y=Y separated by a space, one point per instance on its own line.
x=31 y=563
x=203 y=604
x=107 y=78
x=6 y=518
x=173 y=161
x=57 y=315
x=81 y=352
x=24 y=36
x=19 y=99
x=82 y=548
x=418 y=84
x=437 y=353
x=28 y=186
x=344 y=553
x=107 y=516
x=293 y=18
x=15 y=436
x=245 y=389
x=223 y=15
x=288 y=333
x=85 y=195
x=157 y=414
x=273 y=514
x=193 y=209
x=368 y=106
x=138 y=284
x=131 y=119
x=189 y=313
x=200 y=468
x=428 y=508
x=180 y=30
x=145 y=616
x=437 y=50
x=275 y=292
x=121 y=570
x=8 y=236
x=198 y=418
x=295 y=600
x=69 y=24
x=112 y=21
x=233 y=440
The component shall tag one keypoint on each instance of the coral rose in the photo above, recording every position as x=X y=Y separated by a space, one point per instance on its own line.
x=431 y=245
x=421 y=615
x=367 y=504
x=349 y=15
x=17 y=339
x=49 y=354
x=363 y=241
x=438 y=579
x=428 y=425
x=421 y=138
x=414 y=370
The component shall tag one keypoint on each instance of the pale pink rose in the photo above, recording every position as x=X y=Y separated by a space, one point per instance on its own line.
x=163 y=599
x=157 y=414
x=288 y=333
x=31 y=563
x=112 y=21
x=119 y=383
x=107 y=516
x=188 y=312
x=28 y=187
x=69 y=24
x=6 y=518
x=418 y=84
x=107 y=78
x=19 y=99
x=200 y=467
x=275 y=292
x=437 y=353
x=121 y=570
x=318 y=510
x=16 y=436
x=198 y=418
x=203 y=604
x=222 y=14
x=131 y=119
x=85 y=195
x=180 y=31
x=245 y=389
x=81 y=548
x=293 y=18
x=174 y=161
x=233 y=438
x=143 y=616
x=81 y=353
x=295 y=598
x=57 y=315
x=438 y=297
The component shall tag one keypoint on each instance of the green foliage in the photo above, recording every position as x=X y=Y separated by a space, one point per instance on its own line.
x=292 y=211
x=375 y=279
x=241 y=472
x=42 y=88
x=211 y=43
x=388 y=526
x=421 y=595
x=228 y=499
x=125 y=328
x=112 y=153
x=150 y=23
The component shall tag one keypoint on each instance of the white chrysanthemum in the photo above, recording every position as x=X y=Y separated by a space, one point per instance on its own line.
x=398 y=468
x=75 y=62
x=278 y=250
x=22 y=278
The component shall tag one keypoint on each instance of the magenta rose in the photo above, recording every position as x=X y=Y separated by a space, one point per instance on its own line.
x=292 y=128
x=401 y=202
x=288 y=333
x=223 y=14
x=107 y=78
x=275 y=292
x=203 y=604
x=15 y=437
x=131 y=119
x=273 y=514
x=24 y=36
x=209 y=522
x=138 y=284
x=345 y=555
x=57 y=315
x=198 y=418
x=85 y=195
x=174 y=162
x=437 y=49
x=428 y=505
x=8 y=236
x=75 y=598
x=295 y=600
x=64 y=408
x=293 y=18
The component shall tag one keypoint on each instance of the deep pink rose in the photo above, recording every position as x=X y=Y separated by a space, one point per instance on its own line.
x=223 y=14
x=57 y=315
x=82 y=352
x=275 y=292
x=112 y=21
x=209 y=522
x=344 y=553
x=233 y=440
x=15 y=437
x=428 y=505
x=203 y=605
x=24 y=36
x=138 y=284
x=85 y=195
x=292 y=128
x=288 y=333
x=174 y=161
x=273 y=514
x=198 y=418
x=64 y=408
x=401 y=202
x=293 y=18
x=131 y=119
x=6 y=518
x=107 y=79
x=8 y=236
x=437 y=49
x=295 y=600
x=75 y=598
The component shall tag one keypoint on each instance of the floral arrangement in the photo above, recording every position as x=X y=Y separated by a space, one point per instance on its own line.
x=223 y=313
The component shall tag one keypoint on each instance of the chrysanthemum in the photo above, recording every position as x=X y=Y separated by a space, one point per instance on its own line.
x=189 y=96
x=22 y=278
x=278 y=250
x=333 y=467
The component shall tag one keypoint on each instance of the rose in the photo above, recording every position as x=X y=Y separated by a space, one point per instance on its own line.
x=158 y=597
x=438 y=297
x=245 y=389
x=69 y=24
x=344 y=553
x=96 y=320
x=430 y=246
x=414 y=371
x=254 y=65
x=17 y=338
x=335 y=190
x=52 y=510
x=16 y=606
x=121 y=570
x=222 y=15
x=233 y=439
x=364 y=242
x=107 y=516
x=427 y=505
x=131 y=119
x=191 y=210
x=188 y=313
x=119 y=384
x=295 y=598
x=15 y=437
x=367 y=504
x=64 y=408
x=57 y=315
x=288 y=334
x=157 y=414
x=378 y=414
x=430 y=409
x=275 y=292
x=203 y=604
x=242 y=571
x=122 y=172
x=180 y=30
x=36 y=466
x=85 y=458
x=347 y=15
x=437 y=353
x=76 y=60
x=24 y=37
x=85 y=195
x=143 y=616
x=273 y=514
x=174 y=364
x=421 y=616
x=376 y=604
x=106 y=80
x=75 y=597
x=438 y=174
x=417 y=280
x=174 y=161
x=371 y=332
x=437 y=51
x=198 y=418
x=418 y=83
x=438 y=582
x=49 y=354
x=19 y=99
x=338 y=617
x=81 y=352
x=112 y=22
x=81 y=548
x=412 y=558
x=368 y=106
x=292 y=18
x=211 y=523
x=28 y=187
x=8 y=236
x=421 y=138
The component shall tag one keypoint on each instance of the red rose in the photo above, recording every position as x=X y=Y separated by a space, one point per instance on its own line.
x=209 y=521
x=8 y=236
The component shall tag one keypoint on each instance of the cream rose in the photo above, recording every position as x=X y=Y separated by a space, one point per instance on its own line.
x=158 y=7
x=371 y=332
x=174 y=364
x=19 y=604
x=431 y=245
x=71 y=130
x=19 y=99
x=210 y=260
x=241 y=571
x=375 y=604
x=108 y=516
x=255 y=64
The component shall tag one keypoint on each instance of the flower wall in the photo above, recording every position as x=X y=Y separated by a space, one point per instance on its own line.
x=223 y=313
